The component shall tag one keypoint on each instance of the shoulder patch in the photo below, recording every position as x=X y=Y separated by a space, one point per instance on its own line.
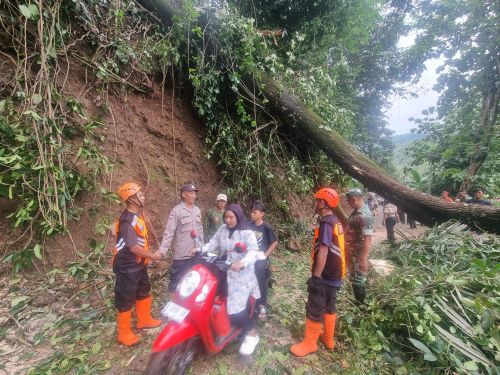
x=340 y=228
x=134 y=220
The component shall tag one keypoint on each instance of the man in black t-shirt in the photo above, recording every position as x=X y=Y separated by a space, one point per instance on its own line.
x=267 y=241
x=478 y=194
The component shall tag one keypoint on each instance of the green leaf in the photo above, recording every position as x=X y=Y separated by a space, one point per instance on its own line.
x=36 y=99
x=401 y=371
x=420 y=346
x=64 y=363
x=18 y=300
x=416 y=176
x=96 y=348
x=25 y=11
x=29 y=11
x=471 y=365
x=299 y=371
x=430 y=357
x=37 y=250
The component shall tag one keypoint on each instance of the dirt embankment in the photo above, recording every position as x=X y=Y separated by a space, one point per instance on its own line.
x=150 y=138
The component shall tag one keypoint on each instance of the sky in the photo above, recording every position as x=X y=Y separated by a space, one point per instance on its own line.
x=402 y=108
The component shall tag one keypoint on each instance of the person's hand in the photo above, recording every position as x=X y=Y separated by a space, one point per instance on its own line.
x=363 y=263
x=193 y=251
x=156 y=256
x=314 y=283
x=237 y=266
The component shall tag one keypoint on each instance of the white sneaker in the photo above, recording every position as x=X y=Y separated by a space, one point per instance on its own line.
x=249 y=344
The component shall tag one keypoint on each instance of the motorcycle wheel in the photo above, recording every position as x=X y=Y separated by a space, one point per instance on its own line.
x=174 y=361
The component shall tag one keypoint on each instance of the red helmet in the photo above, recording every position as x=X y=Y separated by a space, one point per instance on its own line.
x=330 y=196
x=127 y=190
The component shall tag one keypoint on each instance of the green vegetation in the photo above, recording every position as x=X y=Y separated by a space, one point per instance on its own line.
x=50 y=148
x=243 y=137
x=442 y=301
x=461 y=133
x=436 y=313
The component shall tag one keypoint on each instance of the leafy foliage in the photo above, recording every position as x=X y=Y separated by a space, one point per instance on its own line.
x=50 y=149
x=242 y=138
x=443 y=302
x=461 y=143
x=68 y=333
x=321 y=62
x=38 y=168
x=341 y=59
x=448 y=147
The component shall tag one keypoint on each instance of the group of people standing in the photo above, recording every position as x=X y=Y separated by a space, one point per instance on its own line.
x=227 y=231
x=463 y=197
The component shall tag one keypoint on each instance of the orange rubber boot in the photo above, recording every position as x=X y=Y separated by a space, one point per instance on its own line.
x=125 y=334
x=328 y=336
x=310 y=342
x=143 y=311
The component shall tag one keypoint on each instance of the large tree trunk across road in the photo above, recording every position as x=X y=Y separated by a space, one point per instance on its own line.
x=292 y=112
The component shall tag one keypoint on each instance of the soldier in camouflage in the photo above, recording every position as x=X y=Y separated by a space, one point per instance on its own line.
x=359 y=242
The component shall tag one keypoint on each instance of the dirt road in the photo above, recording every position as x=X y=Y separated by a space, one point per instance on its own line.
x=402 y=230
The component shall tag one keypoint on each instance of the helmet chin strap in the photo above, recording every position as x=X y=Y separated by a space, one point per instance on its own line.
x=136 y=201
x=317 y=205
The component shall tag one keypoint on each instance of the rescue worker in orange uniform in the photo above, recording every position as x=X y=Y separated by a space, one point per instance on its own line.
x=131 y=255
x=328 y=271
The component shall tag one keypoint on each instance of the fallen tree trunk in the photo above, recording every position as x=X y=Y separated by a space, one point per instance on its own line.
x=292 y=112
x=425 y=208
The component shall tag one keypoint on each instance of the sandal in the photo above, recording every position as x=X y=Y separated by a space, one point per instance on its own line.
x=262 y=312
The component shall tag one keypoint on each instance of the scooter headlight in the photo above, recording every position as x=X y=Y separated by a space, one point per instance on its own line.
x=189 y=283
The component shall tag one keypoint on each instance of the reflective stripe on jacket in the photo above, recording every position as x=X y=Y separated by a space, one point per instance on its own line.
x=335 y=266
x=140 y=228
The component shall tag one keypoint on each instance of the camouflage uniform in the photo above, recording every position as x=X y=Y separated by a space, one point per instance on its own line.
x=359 y=225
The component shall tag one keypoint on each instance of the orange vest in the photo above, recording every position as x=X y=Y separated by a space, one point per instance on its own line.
x=141 y=230
x=335 y=266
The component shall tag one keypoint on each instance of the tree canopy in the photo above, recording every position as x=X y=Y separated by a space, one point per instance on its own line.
x=461 y=143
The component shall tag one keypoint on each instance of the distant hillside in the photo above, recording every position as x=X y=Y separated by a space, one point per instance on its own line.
x=404 y=138
x=401 y=157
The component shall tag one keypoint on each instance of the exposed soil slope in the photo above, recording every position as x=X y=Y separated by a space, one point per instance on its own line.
x=150 y=138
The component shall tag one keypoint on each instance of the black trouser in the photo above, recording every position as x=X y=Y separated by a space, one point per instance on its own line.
x=243 y=320
x=412 y=223
x=321 y=299
x=390 y=222
x=222 y=282
x=130 y=286
x=262 y=274
x=177 y=270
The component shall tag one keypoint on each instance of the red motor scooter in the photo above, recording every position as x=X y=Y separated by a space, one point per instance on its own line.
x=197 y=319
